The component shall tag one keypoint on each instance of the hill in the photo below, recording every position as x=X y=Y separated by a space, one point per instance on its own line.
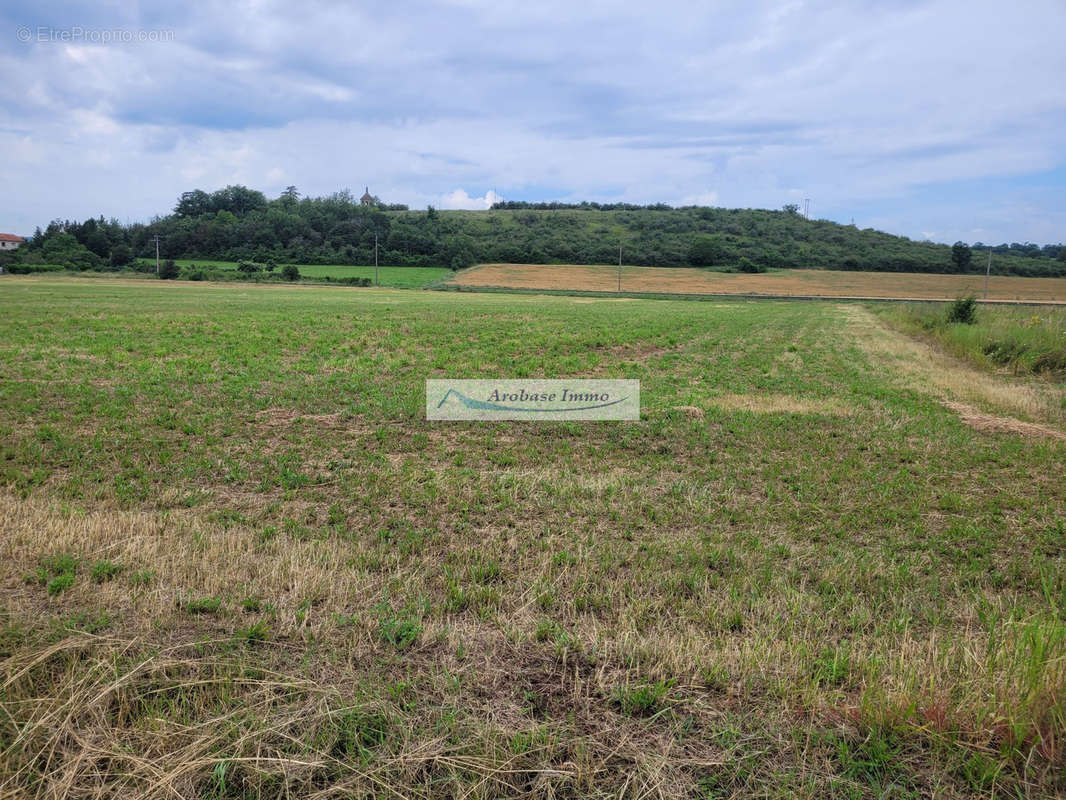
x=237 y=224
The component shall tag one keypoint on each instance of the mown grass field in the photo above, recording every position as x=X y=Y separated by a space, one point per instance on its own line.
x=392 y=277
x=238 y=562
x=785 y=282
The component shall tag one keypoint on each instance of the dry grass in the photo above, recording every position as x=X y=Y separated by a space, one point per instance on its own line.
x=805 y=283
x=245 y=706
x=782 y=404
x=978 y=420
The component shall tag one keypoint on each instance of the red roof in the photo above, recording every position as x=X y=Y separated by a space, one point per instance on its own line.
x=10 y=237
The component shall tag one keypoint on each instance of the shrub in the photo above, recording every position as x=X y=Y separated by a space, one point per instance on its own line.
x=749 y=266
x=963 y=310
x=197 y=275
x=290 y=272
x=168 y=270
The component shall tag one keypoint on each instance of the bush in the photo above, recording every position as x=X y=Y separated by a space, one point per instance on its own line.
x=197 y=275
x=963 y=310
x=749 y=266
x=168 y=270
x=17 y=268
x=249 y=266
x=121 y=255
x=290 y=272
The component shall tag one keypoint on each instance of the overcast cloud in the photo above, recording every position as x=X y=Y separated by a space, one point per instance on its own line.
x=941 y=120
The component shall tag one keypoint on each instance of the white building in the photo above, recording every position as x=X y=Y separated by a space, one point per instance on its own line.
x=9 y=241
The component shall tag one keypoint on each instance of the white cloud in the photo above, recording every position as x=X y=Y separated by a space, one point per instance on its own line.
x=459 y=199
x=877 y=112
x=700 y=199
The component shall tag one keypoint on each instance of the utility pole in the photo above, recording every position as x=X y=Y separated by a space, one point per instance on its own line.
x=807 y=207
x=619 y=266
x=988 y=271
x=156 y=237
x=377 y=280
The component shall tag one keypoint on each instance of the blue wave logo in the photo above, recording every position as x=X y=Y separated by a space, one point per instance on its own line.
x=484 y=405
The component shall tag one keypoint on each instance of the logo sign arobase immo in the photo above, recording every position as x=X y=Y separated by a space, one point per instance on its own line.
x=576 y=399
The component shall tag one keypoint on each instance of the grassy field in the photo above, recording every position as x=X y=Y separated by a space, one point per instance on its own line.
x=392 y=277
x=804 y=282
x=238 y=562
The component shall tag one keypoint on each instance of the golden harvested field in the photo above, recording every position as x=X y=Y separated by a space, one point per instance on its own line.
x=673 y=280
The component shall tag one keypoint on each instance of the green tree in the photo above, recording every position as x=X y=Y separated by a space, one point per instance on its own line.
x=290 y=272
x=168 y=270
x=706 y=251
x=121 y=255
x=193 y=204
x=63 y=249
x=961 y=256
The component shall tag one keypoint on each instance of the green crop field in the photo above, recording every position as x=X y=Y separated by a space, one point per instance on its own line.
x=828 y=561
x=392 y=277
x=398 y=277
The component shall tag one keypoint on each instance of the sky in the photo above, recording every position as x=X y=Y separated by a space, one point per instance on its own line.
x=941 y=120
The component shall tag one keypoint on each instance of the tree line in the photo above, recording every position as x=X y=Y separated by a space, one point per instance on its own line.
x=241 y=224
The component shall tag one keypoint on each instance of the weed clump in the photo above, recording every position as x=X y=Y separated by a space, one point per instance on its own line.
x=56 y=573
x=400 y=629
x=204 y=605
x=104 y=571
x=641 y=699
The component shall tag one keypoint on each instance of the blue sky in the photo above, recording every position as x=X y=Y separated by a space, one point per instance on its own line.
x=940 y=120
